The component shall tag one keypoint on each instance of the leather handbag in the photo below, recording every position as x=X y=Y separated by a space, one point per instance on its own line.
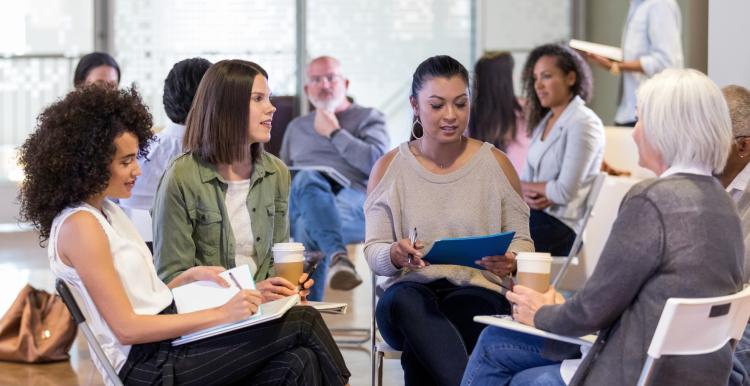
x=37 y=328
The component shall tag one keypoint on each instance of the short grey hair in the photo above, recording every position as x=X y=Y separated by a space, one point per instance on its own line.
x=686 y=119
x=738 y=100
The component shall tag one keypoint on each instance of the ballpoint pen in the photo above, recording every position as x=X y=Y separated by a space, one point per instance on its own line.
x=234 y=279
x=309 y=276
x=413 y=241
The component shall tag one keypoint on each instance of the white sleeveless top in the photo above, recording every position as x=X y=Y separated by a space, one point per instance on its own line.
x=134 y=264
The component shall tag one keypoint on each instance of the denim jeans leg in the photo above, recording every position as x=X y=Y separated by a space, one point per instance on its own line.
x=501 y=354
x=350 y=205
x=315 y=222
x=741 y=361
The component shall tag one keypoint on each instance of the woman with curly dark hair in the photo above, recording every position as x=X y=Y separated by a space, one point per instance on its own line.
x=567 y=145
x=83 y=151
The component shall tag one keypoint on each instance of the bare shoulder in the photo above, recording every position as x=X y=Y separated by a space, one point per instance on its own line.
x=79 y=235
x=508 y=169
x=379 y=169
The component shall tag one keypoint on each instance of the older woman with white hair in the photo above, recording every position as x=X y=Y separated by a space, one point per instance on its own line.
x=675 y=236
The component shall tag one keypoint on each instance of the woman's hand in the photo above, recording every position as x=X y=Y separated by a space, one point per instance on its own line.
x=305 y=286
x=242 y=305
x=526 y=302
x=275 y=288
x=534 y=194
x=499 y=265
x=403 y=255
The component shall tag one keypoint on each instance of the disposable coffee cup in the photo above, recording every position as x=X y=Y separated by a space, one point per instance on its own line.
x=534 y=270
x=289 y=260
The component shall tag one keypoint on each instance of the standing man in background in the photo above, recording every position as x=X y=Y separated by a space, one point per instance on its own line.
x=651 y=43
x=338 y=139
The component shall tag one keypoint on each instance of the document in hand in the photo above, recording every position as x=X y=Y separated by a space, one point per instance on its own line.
x=201 y=295
x=328 y=171
x=609 y=52
x=466 y=250
x=507 y=322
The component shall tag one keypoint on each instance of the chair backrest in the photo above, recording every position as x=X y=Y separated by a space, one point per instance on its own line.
x=700 y=326
x=78 y=316
x=596 y=188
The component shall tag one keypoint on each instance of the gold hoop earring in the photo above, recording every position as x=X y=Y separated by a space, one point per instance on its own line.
x=413 y=125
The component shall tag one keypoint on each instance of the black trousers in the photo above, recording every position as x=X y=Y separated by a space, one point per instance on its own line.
x=296 y=349
x=550 y=234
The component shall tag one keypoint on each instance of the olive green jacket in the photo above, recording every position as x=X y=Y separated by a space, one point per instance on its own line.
x=190 y=221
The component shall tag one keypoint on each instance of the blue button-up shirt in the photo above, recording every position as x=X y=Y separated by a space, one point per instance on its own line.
x=652 y=35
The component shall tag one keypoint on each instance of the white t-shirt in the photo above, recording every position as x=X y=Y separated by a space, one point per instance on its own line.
x=134 y=265
x=239 y=219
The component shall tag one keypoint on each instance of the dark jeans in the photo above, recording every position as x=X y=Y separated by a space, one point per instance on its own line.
x=626 y=124
x=433 y=325
x=741 y=361
x=550 y=234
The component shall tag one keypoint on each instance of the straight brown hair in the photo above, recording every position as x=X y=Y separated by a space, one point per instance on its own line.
x=217 y=125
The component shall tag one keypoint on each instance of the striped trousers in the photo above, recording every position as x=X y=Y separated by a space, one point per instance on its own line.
x=296 y=349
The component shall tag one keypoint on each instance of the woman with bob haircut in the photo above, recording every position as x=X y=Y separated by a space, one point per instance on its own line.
x=567 y=145
x=224 y=202
x=427 y=310
x=677 y=235
x=83 y=151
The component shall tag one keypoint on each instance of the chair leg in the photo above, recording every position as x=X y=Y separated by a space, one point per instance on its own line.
x=647 y=372
x=380 y=368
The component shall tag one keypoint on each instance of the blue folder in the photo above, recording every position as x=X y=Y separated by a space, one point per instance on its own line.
x=466 y=250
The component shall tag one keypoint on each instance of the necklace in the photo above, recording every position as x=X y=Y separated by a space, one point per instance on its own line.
x=439 y=164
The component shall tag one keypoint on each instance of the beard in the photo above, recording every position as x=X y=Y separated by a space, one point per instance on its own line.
x=328 y=104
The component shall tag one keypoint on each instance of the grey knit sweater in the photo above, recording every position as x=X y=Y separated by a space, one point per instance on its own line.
x=474 y=200
x=676 y=236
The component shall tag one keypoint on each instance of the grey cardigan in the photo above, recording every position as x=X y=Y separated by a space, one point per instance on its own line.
x=568 y=160
x=677 y=236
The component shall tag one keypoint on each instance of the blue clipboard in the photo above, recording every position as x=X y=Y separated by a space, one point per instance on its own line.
x=466 y=250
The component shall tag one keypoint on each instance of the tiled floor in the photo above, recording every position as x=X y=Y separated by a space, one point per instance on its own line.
x=23 y=261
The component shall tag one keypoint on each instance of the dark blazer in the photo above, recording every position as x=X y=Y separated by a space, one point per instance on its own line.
x=676 y=236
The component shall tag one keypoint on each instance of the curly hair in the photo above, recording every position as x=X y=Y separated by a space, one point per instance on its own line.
x=567 y=60
x=66 y=159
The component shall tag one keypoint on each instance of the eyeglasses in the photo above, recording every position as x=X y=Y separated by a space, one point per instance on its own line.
x=318 y=79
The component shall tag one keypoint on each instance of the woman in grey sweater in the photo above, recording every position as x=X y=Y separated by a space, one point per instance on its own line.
x=445 y=185
x=675 y=236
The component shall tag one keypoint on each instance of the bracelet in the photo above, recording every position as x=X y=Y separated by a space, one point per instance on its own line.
x=330 y=136
x=614 y=69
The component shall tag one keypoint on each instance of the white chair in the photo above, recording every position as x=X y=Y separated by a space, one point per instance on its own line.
x=380 y=349
x=697 y=326
x=70 y=301
x=593 y=195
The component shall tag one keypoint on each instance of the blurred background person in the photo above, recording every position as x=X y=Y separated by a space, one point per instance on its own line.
x=97 y=67
x=496 y=114
x=675 y=236
x=567 y=145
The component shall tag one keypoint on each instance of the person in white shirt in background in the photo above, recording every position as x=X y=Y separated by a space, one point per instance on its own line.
x=651 y=43
x=179 y=90
x=735 y=178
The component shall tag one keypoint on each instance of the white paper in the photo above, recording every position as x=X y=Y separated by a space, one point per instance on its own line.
x=610 y=52
x=327 y=307
x=204 y=294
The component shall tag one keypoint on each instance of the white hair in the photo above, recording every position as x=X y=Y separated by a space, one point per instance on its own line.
x=685 y=118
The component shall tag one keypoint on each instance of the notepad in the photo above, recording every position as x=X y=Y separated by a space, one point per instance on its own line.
x=466 y=250
x=610 y=52
x=327 y=307
x=505 y=321
x=202 y=295
x=268 y=311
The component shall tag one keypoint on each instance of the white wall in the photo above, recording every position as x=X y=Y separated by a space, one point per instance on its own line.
x=728 y=52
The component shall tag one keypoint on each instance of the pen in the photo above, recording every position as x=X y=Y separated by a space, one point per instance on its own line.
x=234 y=279
x=412 y=240
x=309 y=276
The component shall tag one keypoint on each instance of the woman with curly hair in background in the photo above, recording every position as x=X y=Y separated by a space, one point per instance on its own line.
x=83 y=151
